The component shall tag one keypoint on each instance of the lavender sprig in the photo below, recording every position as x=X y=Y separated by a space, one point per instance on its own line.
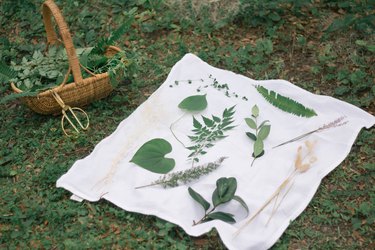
x=336 y=123
x=183 y=177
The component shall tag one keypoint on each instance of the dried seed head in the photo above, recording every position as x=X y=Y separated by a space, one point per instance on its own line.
x=304 y=168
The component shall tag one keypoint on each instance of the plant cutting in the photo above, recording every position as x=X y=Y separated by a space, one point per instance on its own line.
x=285 y=103
x=186 y=176
x=261 y=133
x=151 y=156
x=224 y=193
x=304 y=160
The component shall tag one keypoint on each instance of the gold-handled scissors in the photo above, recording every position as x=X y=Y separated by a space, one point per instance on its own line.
x=66 y=109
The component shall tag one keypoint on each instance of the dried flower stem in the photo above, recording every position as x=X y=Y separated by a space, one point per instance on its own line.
x=302 y=163
x=336 y=123
x=175 y=179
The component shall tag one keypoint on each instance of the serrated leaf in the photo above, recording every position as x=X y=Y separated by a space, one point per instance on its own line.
x=258 y=147
x=151 y=156
x=242 y=202
x=251 y=123
x=226 y=217
x=251 y=136
x=194 y=103
x=198 y=198
x=255 y=111
x=285 y=103
x=264 y=132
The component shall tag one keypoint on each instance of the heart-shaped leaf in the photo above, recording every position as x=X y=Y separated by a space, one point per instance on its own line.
x=194 y=103
x=151 y=156
x=198 y=198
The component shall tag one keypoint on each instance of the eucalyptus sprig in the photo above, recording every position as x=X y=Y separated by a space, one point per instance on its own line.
x=224 y=193
x=206 y=134
x=261 y=132
x=186 y=176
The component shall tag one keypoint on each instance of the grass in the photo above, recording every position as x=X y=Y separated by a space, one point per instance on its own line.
x=34 y=153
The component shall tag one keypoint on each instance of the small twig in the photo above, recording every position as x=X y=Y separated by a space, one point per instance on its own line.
x=170 y=128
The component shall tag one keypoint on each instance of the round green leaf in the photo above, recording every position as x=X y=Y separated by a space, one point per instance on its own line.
x=258 y=147
x=150 y=156
x=251 y=123
x=194 y=103
x=264 y=132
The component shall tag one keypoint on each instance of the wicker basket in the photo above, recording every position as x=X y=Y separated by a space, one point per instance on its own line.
x=78 y=93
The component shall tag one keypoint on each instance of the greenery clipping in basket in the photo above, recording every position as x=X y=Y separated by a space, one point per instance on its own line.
x=46 y=70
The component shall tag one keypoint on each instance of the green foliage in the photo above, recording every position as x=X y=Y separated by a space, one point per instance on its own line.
x=6 y=73
x=151 y=156
x=194 y=103
x=224 y=193
x=285 y=103
x=206 y=134
x=261 y=132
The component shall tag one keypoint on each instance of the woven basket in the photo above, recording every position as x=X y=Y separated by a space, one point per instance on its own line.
x=78 y=93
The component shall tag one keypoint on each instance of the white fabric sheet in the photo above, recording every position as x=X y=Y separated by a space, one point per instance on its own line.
x=107 y=173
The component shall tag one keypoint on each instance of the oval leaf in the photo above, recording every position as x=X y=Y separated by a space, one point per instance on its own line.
x=264 y=132
x=225 y=190
x=258 y=147
x=150 y=156
x=198 y=198
x=255 y=111
x=194 y=103
x=226 y=217
x=251 y=123
x=251 y=136
x=242 y=202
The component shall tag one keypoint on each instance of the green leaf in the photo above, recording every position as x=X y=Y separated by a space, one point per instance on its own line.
x=258 y=147
x=226 y=217
x=262 y=124
x=198 y=198
x=285 y=103
x=6 y=73
x=264 y=132
x=151 y=156
x=225 y=190
x=196 y=123
x=242 y=202
x=194 y=103
x=251 y=123
x=255 y=111
x=208 y=122
x=251 y=136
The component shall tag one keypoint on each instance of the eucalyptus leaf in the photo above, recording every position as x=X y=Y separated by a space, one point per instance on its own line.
x=264 y=132
x=258 y=147
x=150 y=156
x=251 y=123
x=226 y=217
x=198 y=198
x=194 y=103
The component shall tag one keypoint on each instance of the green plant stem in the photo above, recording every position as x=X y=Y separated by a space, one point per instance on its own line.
x=204 y=217
x=174 y=135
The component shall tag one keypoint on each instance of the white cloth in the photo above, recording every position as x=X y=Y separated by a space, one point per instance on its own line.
x=107 y=173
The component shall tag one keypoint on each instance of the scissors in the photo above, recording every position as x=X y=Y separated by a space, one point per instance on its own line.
x=66 y=109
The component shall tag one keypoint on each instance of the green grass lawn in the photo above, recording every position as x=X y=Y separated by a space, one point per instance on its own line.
x=326 y=47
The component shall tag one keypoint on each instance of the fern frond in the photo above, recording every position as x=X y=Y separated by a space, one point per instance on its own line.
x=6 y=73
x=14 y=96
x=285 y=103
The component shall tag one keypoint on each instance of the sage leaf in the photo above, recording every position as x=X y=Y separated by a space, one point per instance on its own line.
x=198 y=198
x=251 y=136
x=264 y=132
x=251 y=123
x=150 y=156
x=226 y=217
x=242 y=202
x=255 y=111
x=258 y=147
x=194 y=103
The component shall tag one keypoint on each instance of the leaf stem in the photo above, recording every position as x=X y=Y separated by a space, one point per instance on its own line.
x=204 y=217
x=170 y=128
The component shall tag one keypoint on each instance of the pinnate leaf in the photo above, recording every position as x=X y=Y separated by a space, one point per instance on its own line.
x=150 y=156
x=194 y=103
x=198 y=198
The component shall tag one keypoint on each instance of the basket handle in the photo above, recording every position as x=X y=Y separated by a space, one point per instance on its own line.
x=50 y=9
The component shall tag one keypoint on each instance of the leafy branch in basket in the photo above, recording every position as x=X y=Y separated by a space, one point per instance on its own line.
x=184 y=177
x=206 y=134
x=261 y=132
x=224 y=193
x=285 y=103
